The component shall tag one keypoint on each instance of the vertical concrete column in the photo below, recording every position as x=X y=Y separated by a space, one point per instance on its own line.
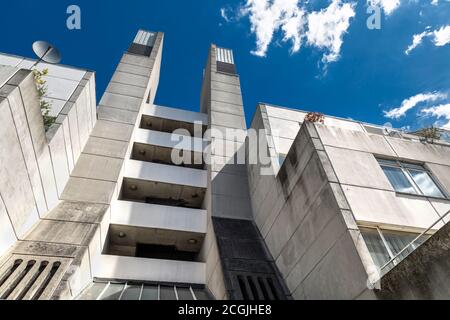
x=222 y=100
x=231 y=230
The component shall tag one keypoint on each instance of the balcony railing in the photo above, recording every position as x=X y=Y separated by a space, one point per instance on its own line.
x=411 y=247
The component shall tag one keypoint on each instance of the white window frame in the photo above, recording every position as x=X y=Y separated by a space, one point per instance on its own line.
x=404 y=166
x=386 y=243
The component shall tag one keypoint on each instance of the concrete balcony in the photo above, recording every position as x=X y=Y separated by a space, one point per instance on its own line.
x=175 y=114
x=155 y=231
x=147 y=171
x=157 y=147
x=163 y=185
x=151 y=216
x=169 y=140
x=168 y=120
x=152 y=270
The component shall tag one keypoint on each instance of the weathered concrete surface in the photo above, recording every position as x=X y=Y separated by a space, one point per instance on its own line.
x=76 y=229
x=228 y=191
x=306 y=221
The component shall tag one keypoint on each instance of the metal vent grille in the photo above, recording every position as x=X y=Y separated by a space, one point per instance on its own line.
x=145 y=38
x=225 y=61
x=224 y=55
x=259 y=288
x=143 y=43
x=31 y=278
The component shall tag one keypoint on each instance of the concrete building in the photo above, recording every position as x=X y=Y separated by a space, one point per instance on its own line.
x=97 y=207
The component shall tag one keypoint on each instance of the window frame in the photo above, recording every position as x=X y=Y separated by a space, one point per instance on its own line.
x=404 y=167
x=392 y=255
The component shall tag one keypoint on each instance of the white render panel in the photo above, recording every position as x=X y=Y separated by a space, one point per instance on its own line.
x=158 y=217
x=343 y=124
x=165 y=173
x=60 y=88
x=9 y=60
x=282 y=113
x=7 y=235
x=169 y=140
x=6 y=72
x=57 y=71
x=385 y=208
x=175 y=114
x=126 y=268
x=284 y=128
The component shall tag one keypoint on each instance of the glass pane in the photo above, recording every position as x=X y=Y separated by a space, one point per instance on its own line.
x=398 y=241
x=398 y=180
x=93 y=291
x=184 y=294
x=150 y=293
x=167 y=293
x=113 y=292
x=202 y=294
x=425 y=183
x=132 y=292
x=376 y=246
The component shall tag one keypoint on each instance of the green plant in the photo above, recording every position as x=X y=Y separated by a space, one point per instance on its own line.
x=429 y=133
x=41 y=86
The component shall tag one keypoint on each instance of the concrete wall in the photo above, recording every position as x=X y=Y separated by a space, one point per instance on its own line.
x=370 y=195
x=78 y=226
x=62 y=81
x=165 y=173
x=38 y=163
x=305 y=219
x=227 y=194
x=352 y=152
x=309 y=213
x=285 y=125
x=158 y=217
x=162 y=271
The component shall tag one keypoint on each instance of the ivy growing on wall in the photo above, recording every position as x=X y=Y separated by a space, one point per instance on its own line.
x=41 y=86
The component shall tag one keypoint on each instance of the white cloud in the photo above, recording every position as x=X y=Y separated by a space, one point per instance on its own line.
x=417 y=40
x=327 y=27
x=323 y=29
x=223 y=13
x=440 y=111
x=436 y=2
x=408 y=104
x=388 y=6
x=266 y=17
x=440 y=38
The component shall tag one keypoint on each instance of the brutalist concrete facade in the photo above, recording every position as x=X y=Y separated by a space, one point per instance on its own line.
x=96 y=207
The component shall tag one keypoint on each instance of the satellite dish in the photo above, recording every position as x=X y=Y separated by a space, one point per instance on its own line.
x=46 y=52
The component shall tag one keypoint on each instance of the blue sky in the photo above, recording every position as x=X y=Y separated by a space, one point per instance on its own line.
x=341 y=67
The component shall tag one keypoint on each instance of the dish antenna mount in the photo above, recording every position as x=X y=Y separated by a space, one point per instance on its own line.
x=46 y=52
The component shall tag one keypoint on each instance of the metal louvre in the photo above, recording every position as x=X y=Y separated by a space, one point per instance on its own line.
x=224 y=55
x=143 y=43
x=31 y=278
x=145 y=38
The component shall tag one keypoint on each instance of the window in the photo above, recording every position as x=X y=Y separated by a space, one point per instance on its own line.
x=410 y=178
x=385 y=245
x=122 y=290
